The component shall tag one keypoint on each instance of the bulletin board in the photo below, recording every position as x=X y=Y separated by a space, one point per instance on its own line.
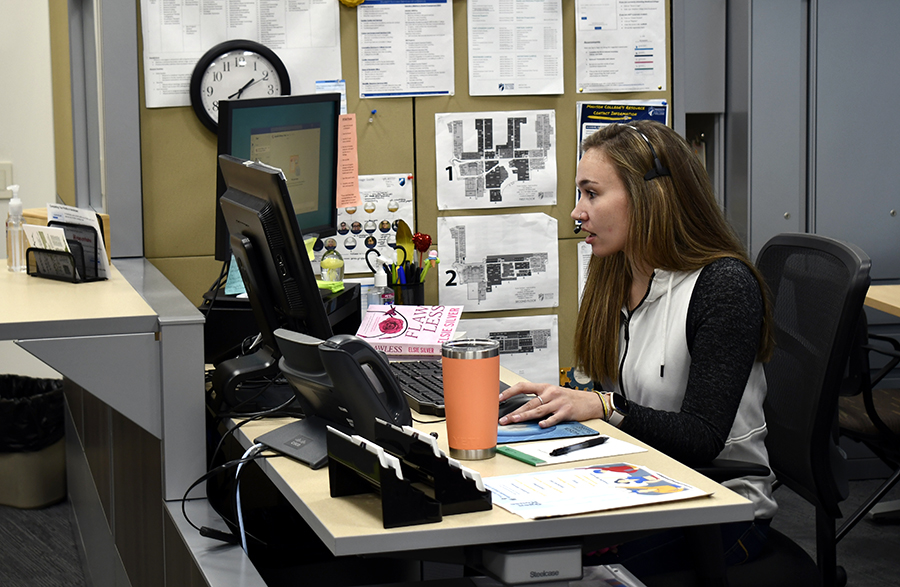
x=179 y=158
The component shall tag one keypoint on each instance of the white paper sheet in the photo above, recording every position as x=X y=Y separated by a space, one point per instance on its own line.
x=332 y=86
x=515 y=47
x=620 y=45
x=405 y=48
x=498 y=262
x=495 y=159
x=584 y=259
x=529 y=345
x=305 y=34
x=385 y=200
x=50 y=238
x=546 y=494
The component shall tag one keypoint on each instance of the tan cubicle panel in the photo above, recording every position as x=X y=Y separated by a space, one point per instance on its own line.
x=179 y=180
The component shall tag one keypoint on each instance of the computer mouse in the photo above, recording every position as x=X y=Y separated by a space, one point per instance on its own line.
x=512 y=404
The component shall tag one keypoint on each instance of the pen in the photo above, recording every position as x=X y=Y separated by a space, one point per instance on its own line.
x=564 y=450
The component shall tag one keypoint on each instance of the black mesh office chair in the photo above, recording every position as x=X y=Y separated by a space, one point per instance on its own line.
x=871 y=415
x=817 y=288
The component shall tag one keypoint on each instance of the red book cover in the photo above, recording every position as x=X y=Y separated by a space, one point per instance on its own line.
x=409 y=330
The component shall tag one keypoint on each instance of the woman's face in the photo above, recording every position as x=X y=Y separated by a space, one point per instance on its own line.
x=603 y=206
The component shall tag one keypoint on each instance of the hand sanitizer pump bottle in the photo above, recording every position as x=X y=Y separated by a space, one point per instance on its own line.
x=381 y=294
x=15 y=236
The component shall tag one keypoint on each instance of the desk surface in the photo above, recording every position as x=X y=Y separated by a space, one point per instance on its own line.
x=885 y=298
x=134 y=327
x=353 y=525
x=34 y=307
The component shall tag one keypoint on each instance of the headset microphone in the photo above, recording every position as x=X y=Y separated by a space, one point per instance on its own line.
x=577 y=226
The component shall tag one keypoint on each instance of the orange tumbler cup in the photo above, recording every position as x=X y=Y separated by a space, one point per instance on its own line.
x=471 y=371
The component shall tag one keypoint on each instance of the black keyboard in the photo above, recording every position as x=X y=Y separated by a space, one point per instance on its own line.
x=423 y=384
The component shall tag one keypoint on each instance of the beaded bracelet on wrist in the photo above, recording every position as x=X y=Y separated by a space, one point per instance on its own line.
x=606 y=408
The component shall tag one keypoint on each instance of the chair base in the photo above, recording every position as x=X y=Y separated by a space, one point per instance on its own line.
x=887 y=510
x=782 y=562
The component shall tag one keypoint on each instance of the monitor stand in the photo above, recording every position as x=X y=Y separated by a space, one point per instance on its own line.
x=303 y=440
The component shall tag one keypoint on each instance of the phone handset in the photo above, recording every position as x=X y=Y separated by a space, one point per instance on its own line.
x=364 y=379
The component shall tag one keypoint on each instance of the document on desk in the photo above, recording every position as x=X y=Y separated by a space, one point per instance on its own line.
x=531 y=431
x=51 y=238
x=538 y=453
x=548 y=494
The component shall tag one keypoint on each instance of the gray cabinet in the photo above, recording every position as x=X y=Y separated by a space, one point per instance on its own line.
x=857 y=129
x=765 y=175
x=698 y=79
x=811 y=139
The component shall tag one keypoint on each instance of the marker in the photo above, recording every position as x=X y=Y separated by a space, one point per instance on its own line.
x=564 y=450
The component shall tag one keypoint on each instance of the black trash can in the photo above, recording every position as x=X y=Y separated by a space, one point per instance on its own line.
x=32 y=449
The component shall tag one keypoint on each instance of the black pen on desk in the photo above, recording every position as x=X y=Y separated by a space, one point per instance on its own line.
x=564 y=450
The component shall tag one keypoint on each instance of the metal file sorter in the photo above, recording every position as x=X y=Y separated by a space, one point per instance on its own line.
x=79 y=264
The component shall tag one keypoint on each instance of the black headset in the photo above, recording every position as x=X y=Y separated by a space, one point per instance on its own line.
x=658 y=169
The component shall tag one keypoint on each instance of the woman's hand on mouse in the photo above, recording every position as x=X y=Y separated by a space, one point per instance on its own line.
x=552 y=404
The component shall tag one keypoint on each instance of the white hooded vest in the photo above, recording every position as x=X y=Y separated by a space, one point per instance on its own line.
x=654 y=366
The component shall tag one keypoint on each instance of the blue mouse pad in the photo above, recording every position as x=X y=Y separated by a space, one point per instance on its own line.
x=528 y=431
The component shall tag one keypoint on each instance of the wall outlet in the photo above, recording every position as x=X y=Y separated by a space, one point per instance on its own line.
x=6 y=178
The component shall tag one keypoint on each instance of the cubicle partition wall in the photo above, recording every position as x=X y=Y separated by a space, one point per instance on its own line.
x=399 y=139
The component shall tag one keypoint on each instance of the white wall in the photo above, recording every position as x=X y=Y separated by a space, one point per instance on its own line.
x=26 y=131
x=26 y=106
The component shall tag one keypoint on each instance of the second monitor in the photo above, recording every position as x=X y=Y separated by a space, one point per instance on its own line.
x=297 y=134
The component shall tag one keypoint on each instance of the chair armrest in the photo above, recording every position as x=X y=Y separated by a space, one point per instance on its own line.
x=893 y=353
x=724 y=470
x=888 y=339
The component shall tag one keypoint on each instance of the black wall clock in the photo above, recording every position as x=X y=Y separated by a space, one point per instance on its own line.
x=233 y=70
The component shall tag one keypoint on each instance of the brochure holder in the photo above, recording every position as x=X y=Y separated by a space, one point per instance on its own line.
x=78 y=264
x=402 y=461
x=357 y=466
x=458 y=489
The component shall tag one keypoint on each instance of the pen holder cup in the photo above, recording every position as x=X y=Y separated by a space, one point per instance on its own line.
x=412 y=294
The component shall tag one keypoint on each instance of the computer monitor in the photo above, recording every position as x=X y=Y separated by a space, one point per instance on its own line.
x=297 y=134
x=267 y=243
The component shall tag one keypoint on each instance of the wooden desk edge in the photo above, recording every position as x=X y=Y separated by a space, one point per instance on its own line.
x=885 y=298
x=365 y=534
x=51 y=309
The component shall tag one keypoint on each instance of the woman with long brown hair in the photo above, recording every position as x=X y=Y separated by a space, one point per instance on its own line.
x=673 y=326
